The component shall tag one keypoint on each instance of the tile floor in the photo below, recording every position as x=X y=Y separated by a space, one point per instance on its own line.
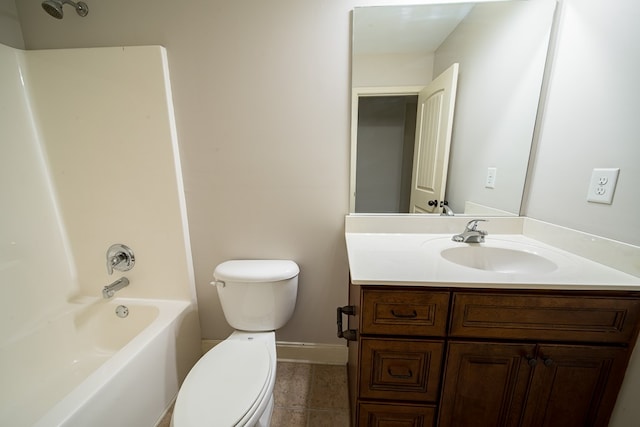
x=310 y=395
x=307 y=395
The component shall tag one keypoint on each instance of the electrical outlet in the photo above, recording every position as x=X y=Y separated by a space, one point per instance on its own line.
x=602 y=185
x=491 y=178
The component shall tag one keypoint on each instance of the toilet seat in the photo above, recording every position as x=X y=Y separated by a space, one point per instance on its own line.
x=227 y=385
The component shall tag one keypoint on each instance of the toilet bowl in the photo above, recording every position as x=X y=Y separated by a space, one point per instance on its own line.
x=232 y=384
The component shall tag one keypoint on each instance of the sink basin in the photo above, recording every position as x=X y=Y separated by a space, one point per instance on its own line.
x=499 y=260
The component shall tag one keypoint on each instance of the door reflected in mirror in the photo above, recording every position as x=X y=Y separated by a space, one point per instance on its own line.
x=501 y=50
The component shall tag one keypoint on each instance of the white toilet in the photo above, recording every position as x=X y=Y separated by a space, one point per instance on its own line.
x=232 y=384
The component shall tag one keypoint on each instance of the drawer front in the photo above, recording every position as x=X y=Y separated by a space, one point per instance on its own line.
x=393 y=414
x=404 y=312
x=400 y=369
x=545 y=317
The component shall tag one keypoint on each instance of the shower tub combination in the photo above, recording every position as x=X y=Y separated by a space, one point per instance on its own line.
x=102 y=363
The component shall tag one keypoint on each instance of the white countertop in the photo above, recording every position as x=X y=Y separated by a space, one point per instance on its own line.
x=413 y=259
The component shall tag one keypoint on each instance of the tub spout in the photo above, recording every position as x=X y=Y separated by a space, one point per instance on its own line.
x=110 y=290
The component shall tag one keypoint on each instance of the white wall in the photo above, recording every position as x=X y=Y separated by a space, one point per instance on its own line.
x=36 y=272
x=591 y=121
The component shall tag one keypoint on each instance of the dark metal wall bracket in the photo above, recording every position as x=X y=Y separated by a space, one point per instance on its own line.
x=350 y=334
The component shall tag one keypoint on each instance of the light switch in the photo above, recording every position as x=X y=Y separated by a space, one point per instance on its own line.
x=602 y=185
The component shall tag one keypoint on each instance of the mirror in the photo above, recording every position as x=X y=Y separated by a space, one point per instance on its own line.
x=501 y=49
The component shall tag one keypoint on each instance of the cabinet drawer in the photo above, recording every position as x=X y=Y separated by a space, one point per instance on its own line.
x=400 y=369
x=404 y=312
x=394 y=414
x=545 y=317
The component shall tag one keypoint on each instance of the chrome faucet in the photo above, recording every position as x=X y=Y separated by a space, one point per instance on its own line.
x=110 y=290
x=120 y=257
x=471 y=234
x=446 y=210
x=116 y=261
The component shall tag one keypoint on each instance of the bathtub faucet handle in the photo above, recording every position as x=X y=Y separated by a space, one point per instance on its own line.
x=120 y=257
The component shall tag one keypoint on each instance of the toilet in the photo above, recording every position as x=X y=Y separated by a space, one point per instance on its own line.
x=232 y=384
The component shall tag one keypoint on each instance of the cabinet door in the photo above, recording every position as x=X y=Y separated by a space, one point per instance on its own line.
x=574 y=385
x=485 y=384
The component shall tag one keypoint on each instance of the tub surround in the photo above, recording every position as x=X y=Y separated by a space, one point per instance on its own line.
x=92 y=160
x=116 y=171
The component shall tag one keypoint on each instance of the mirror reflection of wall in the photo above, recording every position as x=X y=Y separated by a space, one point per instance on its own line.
x=501 y=48
x=387 y=128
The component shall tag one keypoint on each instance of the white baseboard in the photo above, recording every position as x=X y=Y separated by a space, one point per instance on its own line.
x=328 y=354
x=301 y=352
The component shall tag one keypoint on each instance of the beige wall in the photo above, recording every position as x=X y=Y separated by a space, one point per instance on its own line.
x=261 y=91
x=10 y=31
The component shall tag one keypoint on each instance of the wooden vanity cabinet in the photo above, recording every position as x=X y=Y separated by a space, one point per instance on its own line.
x=466 y=357
x=395 y=366
x=493 y=384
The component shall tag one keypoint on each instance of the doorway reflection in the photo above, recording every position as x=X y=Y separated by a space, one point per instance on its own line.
x=386 y=136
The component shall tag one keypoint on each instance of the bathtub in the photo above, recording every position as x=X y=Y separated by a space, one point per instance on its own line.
x=88 y=367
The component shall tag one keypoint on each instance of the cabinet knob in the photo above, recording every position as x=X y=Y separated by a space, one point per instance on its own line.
x=548 y=361
x=433 y=202
x=532 y=361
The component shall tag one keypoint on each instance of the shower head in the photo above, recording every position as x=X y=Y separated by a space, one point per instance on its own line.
x=54 y=7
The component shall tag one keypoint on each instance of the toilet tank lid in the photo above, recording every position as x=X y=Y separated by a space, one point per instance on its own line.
x=256 y=270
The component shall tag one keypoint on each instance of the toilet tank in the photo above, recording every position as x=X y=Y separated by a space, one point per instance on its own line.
x=257 y=295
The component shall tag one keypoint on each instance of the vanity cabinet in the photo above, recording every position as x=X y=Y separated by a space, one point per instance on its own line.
x=428 y=356
x=494 y=384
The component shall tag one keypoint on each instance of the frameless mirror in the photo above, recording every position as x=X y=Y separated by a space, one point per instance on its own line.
x=444 y=104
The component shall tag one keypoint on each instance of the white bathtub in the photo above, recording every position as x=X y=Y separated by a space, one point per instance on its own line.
x=89 y=367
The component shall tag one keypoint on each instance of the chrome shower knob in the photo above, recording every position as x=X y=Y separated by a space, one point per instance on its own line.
x=120 y=257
